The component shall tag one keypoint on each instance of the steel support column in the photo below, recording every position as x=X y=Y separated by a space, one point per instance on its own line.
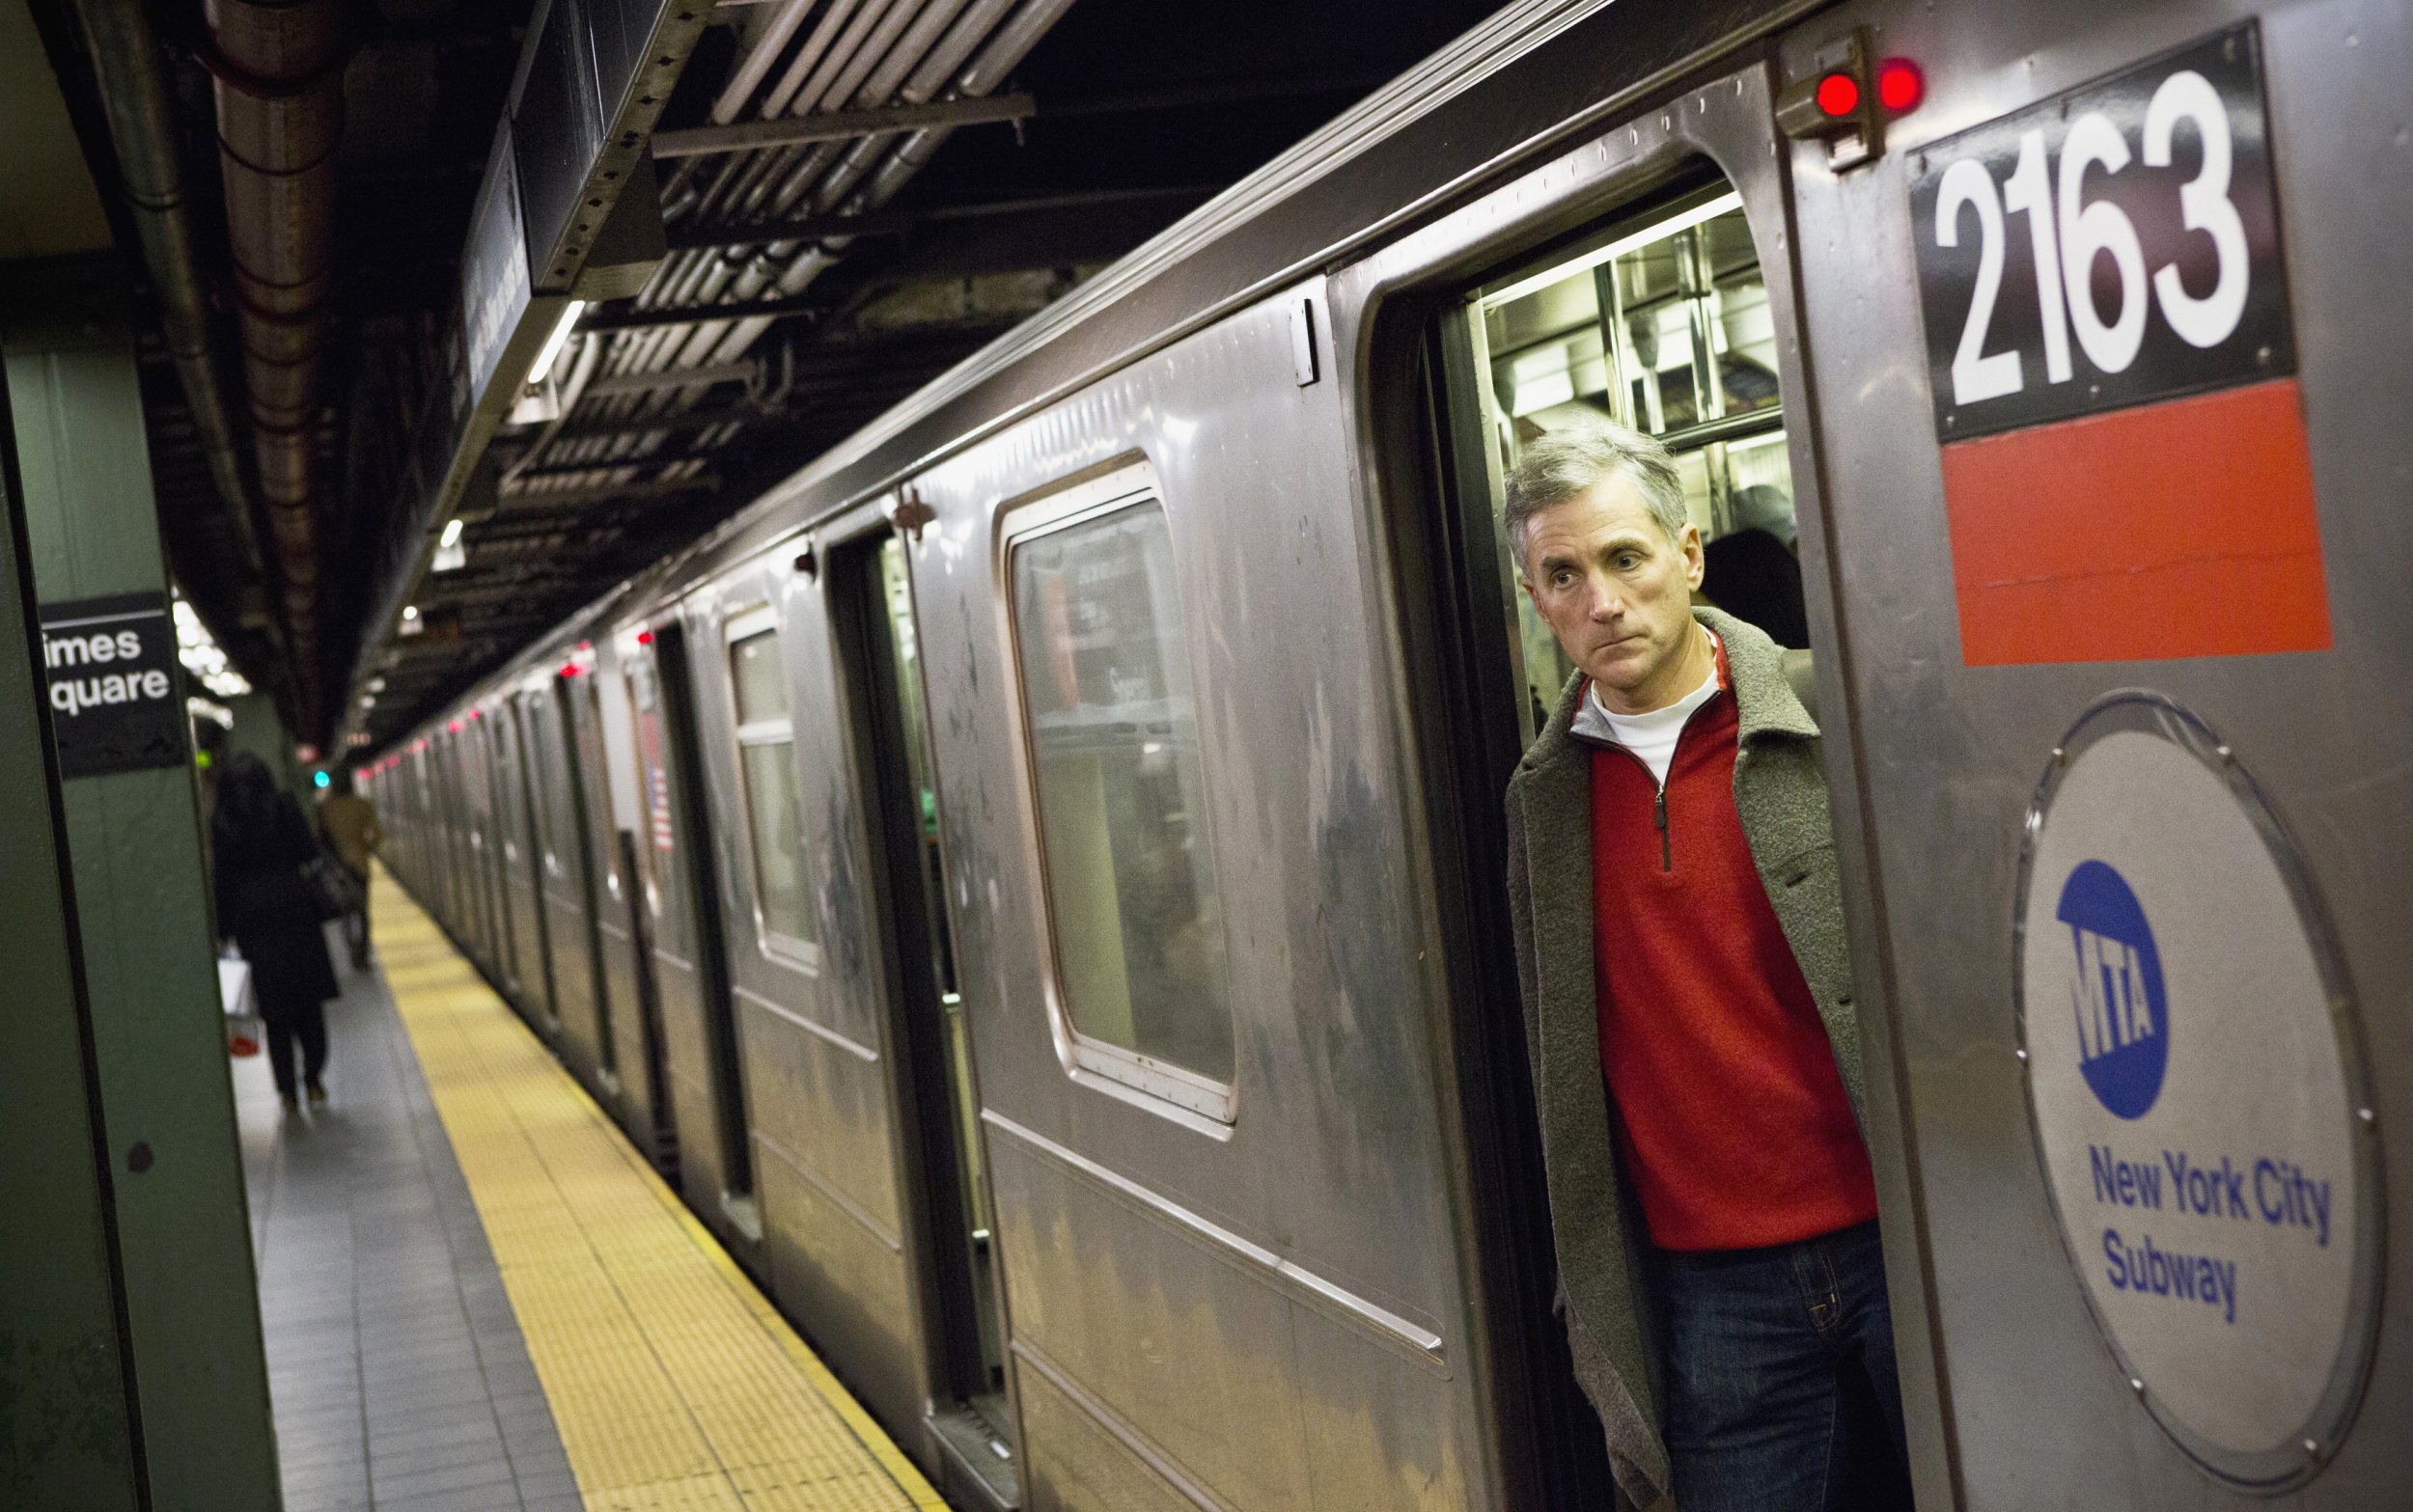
x=190 y=1305
x=67 y=1430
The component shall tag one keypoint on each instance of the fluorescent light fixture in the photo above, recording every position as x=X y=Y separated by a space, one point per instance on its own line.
x=554 y=342
x=203 y=657
x=1658 y=232
x=452 y=533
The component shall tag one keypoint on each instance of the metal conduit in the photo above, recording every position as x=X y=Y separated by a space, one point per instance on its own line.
x=126 y=56
x=280 y=115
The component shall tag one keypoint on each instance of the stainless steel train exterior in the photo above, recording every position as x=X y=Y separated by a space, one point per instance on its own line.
x=1034 y=876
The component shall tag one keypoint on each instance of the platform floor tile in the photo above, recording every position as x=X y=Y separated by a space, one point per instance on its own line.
x=395 y=1367
x=673 y=1381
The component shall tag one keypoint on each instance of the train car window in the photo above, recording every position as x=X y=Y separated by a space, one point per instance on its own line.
x=1113 y=737
x=1663 y=326
x=559 y=819
x=766 y=759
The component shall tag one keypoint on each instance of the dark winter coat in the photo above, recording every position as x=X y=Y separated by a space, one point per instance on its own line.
x=1779 y=795
x=265 y=905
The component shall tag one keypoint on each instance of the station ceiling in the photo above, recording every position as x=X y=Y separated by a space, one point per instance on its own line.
x=1137 y=112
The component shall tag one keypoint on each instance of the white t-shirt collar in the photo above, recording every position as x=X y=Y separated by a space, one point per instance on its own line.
x=1651 y=736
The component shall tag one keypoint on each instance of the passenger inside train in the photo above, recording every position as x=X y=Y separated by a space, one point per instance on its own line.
x=1731 y=1113
x=1641 y=493
x=1661 y=326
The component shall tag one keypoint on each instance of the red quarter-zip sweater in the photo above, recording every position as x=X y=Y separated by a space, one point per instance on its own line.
x=1727 y=1105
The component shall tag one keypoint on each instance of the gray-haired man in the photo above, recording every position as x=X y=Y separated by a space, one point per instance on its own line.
x=1689 y=1013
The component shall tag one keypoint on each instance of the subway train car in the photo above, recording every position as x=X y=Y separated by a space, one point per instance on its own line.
x=1035 y=877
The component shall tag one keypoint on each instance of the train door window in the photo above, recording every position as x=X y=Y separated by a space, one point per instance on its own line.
x=645 y=739
x=499 y=850
x=1112 y=737
x=583 y=795
x=1661 y=324
x=641 y=900
x=525 y=764
x=766 y=760
x=871 y=601
x=690 y=913
x=658 y=847
x=558 y=835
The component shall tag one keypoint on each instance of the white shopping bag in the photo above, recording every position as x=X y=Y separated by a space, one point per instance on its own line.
x=242 y=1015
x=234 y=986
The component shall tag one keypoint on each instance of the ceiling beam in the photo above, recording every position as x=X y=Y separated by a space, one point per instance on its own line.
x=868 y=387
x=671 y=378
x=691 y=314
x=841 y=126
x=872 y=223
x=648 y=488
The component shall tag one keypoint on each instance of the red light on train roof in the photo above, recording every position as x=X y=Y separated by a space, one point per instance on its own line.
x=644 y=638
x=477 y=714
x=1900 y=86
x=570 y=669
x=1839 y=96
x=453 y=726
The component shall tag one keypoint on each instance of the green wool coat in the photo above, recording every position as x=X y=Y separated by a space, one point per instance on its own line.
x=1780 y=793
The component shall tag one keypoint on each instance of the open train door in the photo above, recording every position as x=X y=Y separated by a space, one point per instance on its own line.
x=969 y=1419
x=1645 y=277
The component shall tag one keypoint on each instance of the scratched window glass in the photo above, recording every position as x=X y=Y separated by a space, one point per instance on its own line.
x=766 y=759
x=1114 y=741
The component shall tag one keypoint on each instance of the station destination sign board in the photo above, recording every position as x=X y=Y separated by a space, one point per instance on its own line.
x=2113 y=371
x=2197 y=1082
x=116 y=701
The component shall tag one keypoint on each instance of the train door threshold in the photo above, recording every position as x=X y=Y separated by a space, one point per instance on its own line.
x=980 y=1469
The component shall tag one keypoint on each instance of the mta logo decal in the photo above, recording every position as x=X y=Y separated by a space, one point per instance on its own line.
x=2115 y=990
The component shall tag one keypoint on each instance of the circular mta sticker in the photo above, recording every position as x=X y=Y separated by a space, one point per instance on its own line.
x=2200 y=1107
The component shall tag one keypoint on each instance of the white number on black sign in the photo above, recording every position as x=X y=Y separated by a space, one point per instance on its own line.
x=2086 y=232
x=2138 y=266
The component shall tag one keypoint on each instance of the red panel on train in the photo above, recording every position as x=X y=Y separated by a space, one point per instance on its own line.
x=2180 y=529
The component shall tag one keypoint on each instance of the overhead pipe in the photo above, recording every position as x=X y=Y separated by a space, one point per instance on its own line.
x=132 y=73
x=278 y=71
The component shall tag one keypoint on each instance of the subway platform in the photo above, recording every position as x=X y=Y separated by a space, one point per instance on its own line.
x=478 y=1298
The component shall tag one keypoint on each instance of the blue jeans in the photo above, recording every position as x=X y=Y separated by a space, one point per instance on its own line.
x=1781 y=1387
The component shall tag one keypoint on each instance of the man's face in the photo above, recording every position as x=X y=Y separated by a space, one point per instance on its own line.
x=1615 y=591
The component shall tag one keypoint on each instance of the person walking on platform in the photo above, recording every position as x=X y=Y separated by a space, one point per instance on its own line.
x=350 y=823
x=1689 y=1013
x=258 y=843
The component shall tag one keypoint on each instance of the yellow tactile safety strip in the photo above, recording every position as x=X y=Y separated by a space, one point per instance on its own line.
x=673 y=1381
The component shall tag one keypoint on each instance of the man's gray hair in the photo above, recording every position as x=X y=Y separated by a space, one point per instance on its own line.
x=1567 y=464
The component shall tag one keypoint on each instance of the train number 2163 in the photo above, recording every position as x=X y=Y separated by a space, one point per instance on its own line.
x=2147 y=192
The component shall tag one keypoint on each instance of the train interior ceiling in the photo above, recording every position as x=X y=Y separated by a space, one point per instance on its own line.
x=1659 y=321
